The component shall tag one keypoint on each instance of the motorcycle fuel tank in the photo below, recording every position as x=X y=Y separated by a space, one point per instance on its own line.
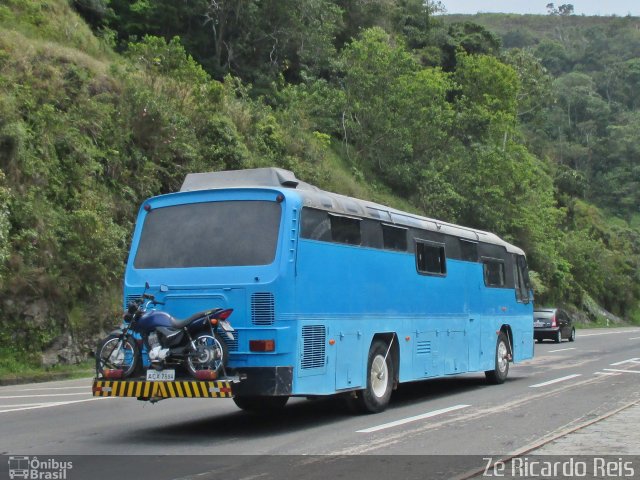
x=151 y=320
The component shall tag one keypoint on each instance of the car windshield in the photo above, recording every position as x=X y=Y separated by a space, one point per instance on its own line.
x=212 y=234
x=542 y=315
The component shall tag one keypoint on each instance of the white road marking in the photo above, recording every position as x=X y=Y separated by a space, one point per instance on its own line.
x=562 y=350
x=413 y=419
x=551 y=382
x=621 y=371
x=47 y=395
x=86 y=387
x=635 y=338
x=606 y=373
x=607 y=333
x=55 y=404
x=631 y=360
x=18 y=405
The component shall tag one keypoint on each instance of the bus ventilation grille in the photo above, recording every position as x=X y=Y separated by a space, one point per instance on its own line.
x=130 y=298
x=262 y=309
x=313 y=342
x=232 y=345
x=423 y=347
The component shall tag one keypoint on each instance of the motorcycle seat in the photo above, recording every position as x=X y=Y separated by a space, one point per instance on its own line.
x=177 y=323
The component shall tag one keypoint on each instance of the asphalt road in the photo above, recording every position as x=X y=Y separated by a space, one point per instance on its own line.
x=565 y=384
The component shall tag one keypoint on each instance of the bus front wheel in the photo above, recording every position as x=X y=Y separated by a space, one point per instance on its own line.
x=380 y=374
x=501 y=368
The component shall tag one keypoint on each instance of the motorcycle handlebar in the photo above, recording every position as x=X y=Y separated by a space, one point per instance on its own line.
x=152 y=298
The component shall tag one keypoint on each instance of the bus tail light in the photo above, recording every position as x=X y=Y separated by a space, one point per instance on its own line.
x=262 y=345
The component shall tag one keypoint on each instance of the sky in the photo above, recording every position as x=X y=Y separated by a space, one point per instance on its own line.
x=580 y=7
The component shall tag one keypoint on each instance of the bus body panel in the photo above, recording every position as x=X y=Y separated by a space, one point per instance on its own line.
x=324 y=303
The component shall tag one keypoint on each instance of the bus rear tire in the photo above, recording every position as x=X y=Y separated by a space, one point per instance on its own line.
x=380 y=374
x=260 y=403
x=501 y=369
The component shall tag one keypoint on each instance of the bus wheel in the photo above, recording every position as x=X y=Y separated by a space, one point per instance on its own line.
x=501 y=369
x=260 y=404
x=380 y=368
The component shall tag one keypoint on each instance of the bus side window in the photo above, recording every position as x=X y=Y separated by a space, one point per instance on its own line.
x=345 y=230
x=493 y=272
x=468 y=250
x=394 y=238
x=522 y=280
x=430 y=258
x=316 y=225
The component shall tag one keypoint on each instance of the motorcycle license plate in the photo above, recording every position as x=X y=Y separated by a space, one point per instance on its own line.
x=161 y=375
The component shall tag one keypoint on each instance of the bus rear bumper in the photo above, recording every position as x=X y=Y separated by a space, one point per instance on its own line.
x=264 y=381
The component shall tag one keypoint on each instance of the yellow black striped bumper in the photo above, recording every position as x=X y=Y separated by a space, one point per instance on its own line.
x=174 y=389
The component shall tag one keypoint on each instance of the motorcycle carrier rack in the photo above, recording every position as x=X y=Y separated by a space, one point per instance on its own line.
x=159 y=390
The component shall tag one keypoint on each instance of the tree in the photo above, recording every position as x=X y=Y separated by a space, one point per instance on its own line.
x=396 y=113
x=5 y=246
x=535 y=91
x=562 y=10
x=554 y=57
x=471 y=38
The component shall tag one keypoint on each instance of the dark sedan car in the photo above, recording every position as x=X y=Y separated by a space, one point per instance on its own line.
x=553 y=324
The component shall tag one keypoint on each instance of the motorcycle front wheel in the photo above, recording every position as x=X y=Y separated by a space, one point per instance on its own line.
x=211 y=354
x=117 y=353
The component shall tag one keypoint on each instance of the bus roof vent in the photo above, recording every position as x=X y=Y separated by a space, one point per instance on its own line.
x=255 y=177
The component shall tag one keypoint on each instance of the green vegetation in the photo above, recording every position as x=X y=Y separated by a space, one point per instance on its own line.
x=381 y=100
x=15 y=370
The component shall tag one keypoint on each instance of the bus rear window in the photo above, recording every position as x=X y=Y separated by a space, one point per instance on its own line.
x=212 y=234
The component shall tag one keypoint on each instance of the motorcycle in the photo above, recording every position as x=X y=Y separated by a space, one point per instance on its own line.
x=195 y=342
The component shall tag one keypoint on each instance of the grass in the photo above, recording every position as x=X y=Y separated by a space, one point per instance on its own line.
x=600 y=323
x=348 y=180
x=52 y=20
x=16 y=367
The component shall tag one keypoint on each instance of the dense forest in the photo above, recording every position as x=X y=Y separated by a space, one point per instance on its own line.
x=521 y=125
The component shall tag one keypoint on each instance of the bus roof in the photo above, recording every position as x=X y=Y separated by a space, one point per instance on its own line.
x=333 y=202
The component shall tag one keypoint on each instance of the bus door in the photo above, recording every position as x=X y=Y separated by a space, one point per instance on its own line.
x=453 y=326
x=476 y=328
x=455 y=346
x=473 y=286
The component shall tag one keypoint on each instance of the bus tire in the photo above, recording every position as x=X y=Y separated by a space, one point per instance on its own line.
x=380 y=374
x=501 y=367
x=260 y=403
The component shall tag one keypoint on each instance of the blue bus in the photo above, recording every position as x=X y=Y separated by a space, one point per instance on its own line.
x=331 y=294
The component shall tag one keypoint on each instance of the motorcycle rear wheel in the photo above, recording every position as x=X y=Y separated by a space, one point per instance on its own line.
x=115 y=353
x=212 y=354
